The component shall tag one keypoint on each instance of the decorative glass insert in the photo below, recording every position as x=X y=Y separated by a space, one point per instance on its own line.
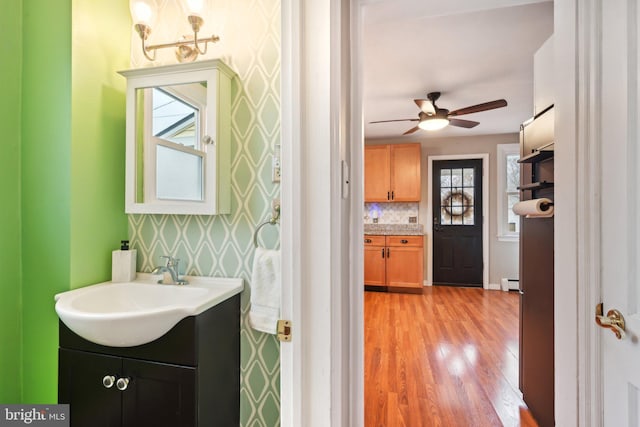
x=456 y=196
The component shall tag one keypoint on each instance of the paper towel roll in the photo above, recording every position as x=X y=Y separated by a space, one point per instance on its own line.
x=535 y=208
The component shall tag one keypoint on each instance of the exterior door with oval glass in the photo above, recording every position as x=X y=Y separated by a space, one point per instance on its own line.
x=457 y=222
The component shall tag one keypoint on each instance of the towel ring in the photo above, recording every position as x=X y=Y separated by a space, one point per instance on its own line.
x=275 y=217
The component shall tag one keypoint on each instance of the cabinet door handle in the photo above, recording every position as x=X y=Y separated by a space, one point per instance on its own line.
x=122 y=384
x=388 y=195
x=367 y=240
x=382 y=252
x=392 y=196
x=404 y=241
x=388 y=252
x=108 y=381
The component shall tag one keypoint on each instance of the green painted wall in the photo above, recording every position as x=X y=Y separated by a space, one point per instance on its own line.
x=100 y=47
x=46 y=165
x=72 y=165
x=10 y=285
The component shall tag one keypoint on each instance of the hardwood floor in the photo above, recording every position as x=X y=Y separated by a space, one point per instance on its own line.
x=446 y=358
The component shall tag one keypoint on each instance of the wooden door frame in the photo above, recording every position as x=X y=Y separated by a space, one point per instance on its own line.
x=485 y=214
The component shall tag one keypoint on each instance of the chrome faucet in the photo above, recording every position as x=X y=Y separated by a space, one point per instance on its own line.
x=172 y=269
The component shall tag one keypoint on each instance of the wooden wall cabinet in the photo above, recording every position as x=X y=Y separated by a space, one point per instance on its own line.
x=189 y=377
x=392 y=173
x=394 y=262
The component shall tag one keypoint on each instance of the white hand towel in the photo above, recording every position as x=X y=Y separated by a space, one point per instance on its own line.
x=265 y=290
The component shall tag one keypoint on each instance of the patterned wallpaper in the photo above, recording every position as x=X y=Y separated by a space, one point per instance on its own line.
x=390 y=213
x=222 y=245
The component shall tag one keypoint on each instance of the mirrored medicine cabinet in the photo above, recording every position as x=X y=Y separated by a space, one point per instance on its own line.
x=178 y=139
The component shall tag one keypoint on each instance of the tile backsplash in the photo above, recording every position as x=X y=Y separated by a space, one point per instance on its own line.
x=390 y=213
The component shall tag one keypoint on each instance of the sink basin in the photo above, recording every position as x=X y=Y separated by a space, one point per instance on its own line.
x=135 y=313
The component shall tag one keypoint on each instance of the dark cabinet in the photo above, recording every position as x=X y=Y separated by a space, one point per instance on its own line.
x=188 y=377
x=537 y=271
x=93 y=404
x=116 y=391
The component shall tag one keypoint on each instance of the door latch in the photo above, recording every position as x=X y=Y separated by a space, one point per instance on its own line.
x=284 y=330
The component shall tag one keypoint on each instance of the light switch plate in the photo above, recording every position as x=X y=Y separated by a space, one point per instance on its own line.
x=275 y=168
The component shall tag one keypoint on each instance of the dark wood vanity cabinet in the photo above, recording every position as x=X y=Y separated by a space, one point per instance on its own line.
x=188 y=377
x=157 y=394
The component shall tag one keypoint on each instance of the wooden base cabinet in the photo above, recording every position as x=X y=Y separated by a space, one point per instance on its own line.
x=188 y=377
x=374 y=261
x=394 y=262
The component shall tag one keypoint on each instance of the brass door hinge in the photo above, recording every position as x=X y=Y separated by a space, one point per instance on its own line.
x=284 y=330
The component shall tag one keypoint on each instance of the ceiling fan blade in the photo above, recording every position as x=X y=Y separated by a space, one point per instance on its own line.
x=425 y=106
x=398 y=120
x=412 y=130
x=463 y=123
x=498 y=103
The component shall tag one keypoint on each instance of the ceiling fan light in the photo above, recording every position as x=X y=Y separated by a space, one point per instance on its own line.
x=434 y=123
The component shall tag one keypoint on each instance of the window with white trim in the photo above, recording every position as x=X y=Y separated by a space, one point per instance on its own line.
x=507 y=191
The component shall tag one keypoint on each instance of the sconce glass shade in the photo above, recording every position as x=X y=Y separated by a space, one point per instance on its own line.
x=194 y=7
x=143 y=12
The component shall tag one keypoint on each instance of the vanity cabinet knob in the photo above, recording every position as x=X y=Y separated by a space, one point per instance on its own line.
x=367 y=240
x=122 y=384
x=108 y=381
x=404 y=241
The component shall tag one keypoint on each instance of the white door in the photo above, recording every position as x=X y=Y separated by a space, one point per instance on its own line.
x=620 y=210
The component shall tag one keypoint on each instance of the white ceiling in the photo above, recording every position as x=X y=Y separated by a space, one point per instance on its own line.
x=473 y=51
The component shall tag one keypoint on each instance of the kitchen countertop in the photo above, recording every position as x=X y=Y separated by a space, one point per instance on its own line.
x=394 y=229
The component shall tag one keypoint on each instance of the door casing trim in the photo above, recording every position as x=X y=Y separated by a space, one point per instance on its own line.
x=485 y=212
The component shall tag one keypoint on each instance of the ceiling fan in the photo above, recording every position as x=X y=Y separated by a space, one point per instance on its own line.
x=431 y=117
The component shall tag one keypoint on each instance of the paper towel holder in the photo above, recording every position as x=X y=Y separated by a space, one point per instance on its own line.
x=543 y=208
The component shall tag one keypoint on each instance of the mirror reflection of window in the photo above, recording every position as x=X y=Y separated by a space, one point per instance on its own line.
x=178 y=175
x=174 y=119
x=172 y=142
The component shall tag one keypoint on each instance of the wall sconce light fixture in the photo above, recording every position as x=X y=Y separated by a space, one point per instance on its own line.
x=143 y=13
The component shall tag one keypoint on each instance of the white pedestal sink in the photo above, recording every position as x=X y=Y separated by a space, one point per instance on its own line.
x=135 y=313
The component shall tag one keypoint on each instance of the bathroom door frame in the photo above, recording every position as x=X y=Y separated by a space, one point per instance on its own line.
x=321 y=368
x=310 y=388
